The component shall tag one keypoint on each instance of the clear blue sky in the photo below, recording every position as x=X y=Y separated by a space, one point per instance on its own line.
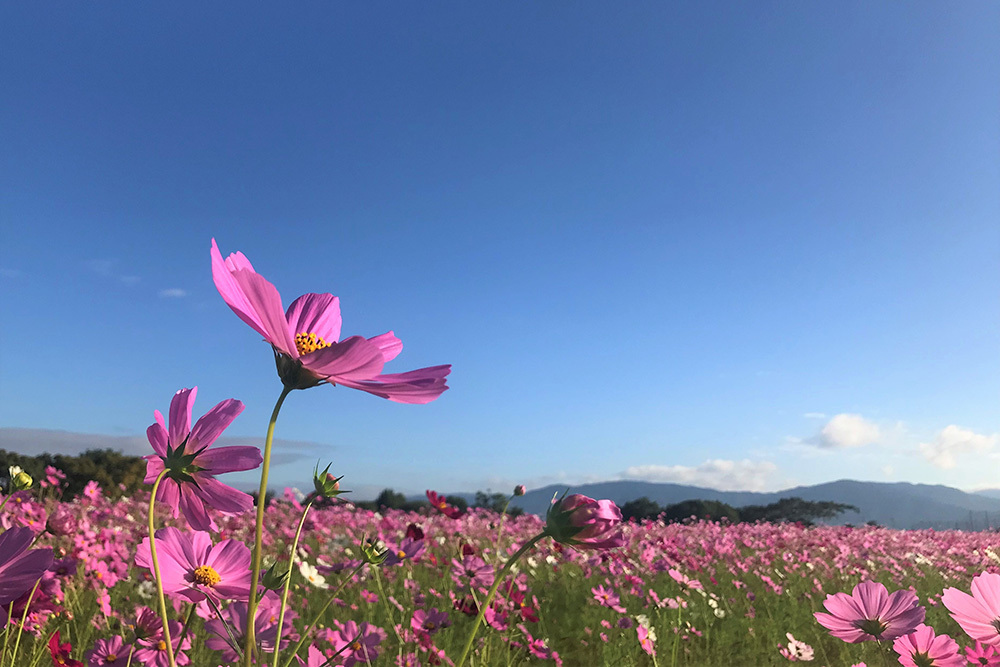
x=670 y=241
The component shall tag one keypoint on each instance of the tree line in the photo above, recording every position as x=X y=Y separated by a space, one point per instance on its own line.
x=794 y=510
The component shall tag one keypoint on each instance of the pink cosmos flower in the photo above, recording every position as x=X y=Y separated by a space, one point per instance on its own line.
x=606 y=597
x=979 y=613
x=20 y=567
x=982 y=654
x=796 y=651
x=191 y=567
x=265 y=626
x=646 y=639
x=584 y=522
x=870 y=613
x=185 y=452
x=922 y=648
x=429 y=621
x=472 y=572
x=108 y=653
x=361 y=642
x=151 y=651
x=305 y=338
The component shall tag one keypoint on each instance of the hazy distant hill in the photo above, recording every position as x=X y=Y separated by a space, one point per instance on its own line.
x=896 y=505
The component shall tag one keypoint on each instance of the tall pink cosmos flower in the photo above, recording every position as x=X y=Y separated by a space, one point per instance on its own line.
x=584 y=522
x=191 y=567
x=20 y=567
x=979 y=613
x=306 y=338
x=870 y=613
x=922 y=648
x=191 y=465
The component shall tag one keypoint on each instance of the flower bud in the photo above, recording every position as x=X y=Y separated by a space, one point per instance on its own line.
x=519 y=490
x=372 y=552
x=274 y=578
x=326 y=485
x=583 y=522
x=19 y=480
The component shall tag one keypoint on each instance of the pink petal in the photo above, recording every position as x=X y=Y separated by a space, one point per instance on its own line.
x=352 y=359
x=180 y=415
x=231 y=291
x=193 y=507
x=266 y=303
x=222 y=497
x=157 y=436
x=229 y=459
x=315 y=313
x=213 y=423
x=389 y=344
x=415 y=387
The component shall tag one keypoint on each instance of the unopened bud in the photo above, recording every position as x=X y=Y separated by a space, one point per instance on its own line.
x=19 y=480
x=373 y=553
x=274 y=578
x=519 y=490
x=326 y=485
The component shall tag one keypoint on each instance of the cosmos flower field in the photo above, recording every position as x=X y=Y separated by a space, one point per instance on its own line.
x=173 y=576
x=709 y=593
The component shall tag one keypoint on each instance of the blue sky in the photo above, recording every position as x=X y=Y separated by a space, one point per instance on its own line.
x=743 y=245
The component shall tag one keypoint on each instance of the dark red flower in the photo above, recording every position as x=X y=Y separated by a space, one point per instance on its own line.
x=440 y=504
x=60 y=653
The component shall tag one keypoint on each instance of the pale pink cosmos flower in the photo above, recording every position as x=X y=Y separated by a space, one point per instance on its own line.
x=922 y=648
x=306 y=338
x=870 y=613
x=192 y=463
x=193 y=568
x=979 y=613
x=796 y=651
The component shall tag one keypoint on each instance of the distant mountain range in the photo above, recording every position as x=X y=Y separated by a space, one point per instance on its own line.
x=896 y=505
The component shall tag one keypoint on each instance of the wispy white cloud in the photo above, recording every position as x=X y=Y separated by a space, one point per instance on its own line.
x=952 y=441
x=814 y=415
x=173 y=293
x=721 y=474
x=847 y=430
x=107 y=268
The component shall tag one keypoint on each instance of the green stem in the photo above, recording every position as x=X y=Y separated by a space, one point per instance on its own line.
x=493 y=589
x=187 y=622
x=677 y=638
x=156 y=569
x=503 y=515
x=5 y=499
x=333 y=596
x=288 y=582
x=24 y=617
x=258 y=542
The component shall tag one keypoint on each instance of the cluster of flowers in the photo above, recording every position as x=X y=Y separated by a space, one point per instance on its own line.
x=245 y=608
x=870 y=613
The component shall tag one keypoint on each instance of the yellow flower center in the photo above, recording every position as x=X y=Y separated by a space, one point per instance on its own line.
x=309 y=342
x=111 y=657
x=401 y=554
x=161 y=645
x=206 y=576
x=356 y=646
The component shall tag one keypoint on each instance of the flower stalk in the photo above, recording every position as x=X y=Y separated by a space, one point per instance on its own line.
x=492 y=592
x=258 y=544
x=156 y=569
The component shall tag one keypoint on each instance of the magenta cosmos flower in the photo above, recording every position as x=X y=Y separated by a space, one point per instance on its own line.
x=306 y=338
x=584 y=522
x=20 y=567
x=870 y=613
x=922 y=648
x=191 y=567
x=979 y=613
x=191 y=465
